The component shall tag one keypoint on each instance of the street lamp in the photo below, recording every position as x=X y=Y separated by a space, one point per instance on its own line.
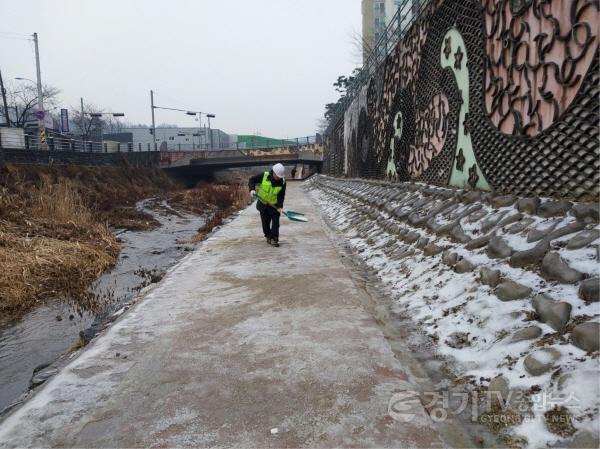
x=199 y=126
x=153 y=107
x=100 y=114
x=209 y=116
x=25 y=79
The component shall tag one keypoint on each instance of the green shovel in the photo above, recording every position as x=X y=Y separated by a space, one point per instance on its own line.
x=292 y=215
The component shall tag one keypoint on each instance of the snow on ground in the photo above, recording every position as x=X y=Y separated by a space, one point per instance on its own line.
x=445 y=303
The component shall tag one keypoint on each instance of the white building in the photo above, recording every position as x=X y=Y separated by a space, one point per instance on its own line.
x=185 y=139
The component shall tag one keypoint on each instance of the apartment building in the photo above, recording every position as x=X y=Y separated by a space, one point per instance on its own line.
x=377 y=15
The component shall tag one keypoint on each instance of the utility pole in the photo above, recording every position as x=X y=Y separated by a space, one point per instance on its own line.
x=4 y=100
x=83 y=133
x=41 y=127
x=210 y=132
x=153 y=123
x=200 y=130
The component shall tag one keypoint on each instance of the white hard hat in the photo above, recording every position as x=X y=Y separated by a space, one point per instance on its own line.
x=279 y=170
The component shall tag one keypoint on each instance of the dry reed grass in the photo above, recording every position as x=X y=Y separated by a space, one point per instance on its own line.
x=54 y=235
x=215 y=201
x=54 y=225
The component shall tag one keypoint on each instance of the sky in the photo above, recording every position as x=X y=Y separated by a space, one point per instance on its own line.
x=262 y=66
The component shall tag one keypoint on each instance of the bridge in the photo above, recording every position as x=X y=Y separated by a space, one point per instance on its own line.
x=191 y=165
x=187 y=165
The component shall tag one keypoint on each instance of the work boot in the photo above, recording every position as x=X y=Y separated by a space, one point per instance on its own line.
x=275 y=243
x=268 y=240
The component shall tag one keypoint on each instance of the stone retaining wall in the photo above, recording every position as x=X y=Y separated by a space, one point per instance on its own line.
x=506 y=286
x=135 y=159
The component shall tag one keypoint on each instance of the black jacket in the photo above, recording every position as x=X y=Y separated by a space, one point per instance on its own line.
x=256 y=180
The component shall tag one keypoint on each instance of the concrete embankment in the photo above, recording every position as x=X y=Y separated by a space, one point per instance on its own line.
x=505 y=288
x=241 y=344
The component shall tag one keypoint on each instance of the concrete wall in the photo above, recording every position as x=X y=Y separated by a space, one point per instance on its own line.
x=471 y=97
x=143 y=159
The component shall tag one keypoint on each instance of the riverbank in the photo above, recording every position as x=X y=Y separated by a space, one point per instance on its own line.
x=56 y=225
x=146 y=238
x=502 y=290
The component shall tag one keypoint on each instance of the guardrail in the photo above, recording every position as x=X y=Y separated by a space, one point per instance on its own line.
x=56 y=143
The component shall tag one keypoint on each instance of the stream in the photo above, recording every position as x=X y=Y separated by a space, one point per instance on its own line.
x=50 y=331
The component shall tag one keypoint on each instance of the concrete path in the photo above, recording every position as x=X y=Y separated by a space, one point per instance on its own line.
x=238 y=339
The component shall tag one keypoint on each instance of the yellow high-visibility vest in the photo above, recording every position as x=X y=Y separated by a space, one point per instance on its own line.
x=267 y=191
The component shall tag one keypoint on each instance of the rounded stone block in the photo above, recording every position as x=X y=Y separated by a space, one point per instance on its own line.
x=511 y=291
x=502 y=201
x=489 y=276
x=541 y=361
x=554 y=268
x=554 y=208
x=463 y=266
x=586 y=336
x=583 y=239
x=449 y=258
x=528 y=205
x=589 y=290
x=498 y=390
x=458 y=234
x=527 y=333
x=498 y=248
x=554 y=313
x=586 y=211
x=432 y=249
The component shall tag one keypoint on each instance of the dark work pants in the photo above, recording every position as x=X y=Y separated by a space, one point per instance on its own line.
x=270 y=220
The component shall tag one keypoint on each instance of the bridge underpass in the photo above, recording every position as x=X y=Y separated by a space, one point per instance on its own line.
x=190 y=170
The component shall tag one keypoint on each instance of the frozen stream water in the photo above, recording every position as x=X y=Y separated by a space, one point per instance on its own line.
x=40 y=338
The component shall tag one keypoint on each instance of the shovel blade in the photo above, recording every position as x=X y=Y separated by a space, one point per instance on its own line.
x=293 y=217
x=300 y=219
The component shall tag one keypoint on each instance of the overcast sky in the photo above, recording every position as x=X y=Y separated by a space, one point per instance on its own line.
x=259 y=65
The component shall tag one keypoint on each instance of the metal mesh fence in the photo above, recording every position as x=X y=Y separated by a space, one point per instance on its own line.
x=527 y=133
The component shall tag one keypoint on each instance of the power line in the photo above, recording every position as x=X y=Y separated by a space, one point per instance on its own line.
x=15 y=38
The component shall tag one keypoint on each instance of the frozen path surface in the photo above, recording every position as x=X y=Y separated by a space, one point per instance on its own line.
x=238 y=339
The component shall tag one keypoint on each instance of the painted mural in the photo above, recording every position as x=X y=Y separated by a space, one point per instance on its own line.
x=490 y=94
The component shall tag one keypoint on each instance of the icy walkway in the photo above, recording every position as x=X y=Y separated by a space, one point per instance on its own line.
x=237 y=340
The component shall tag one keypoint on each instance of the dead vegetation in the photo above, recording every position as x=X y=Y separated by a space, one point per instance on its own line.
x=55 y=236
x=215 y=201
x=54 y=227
x=559 y=421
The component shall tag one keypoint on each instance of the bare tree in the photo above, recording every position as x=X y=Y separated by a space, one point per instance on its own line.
x=362 y=48
x=113 y=124
x=23 y=97
x=86 y=124
x=322 y=125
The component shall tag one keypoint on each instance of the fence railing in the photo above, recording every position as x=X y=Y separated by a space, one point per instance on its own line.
x=258 y=142
x=408 y=12
x=56 y=143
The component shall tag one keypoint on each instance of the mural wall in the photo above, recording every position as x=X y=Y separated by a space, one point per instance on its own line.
x=490 y=94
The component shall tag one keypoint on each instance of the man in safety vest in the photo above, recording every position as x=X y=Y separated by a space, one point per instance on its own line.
x=271 y=193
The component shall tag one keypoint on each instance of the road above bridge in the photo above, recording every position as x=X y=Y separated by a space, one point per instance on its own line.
x=241 y=344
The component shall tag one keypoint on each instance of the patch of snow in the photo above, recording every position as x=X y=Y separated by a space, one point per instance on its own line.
x=583 y=259
x=443 y=302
